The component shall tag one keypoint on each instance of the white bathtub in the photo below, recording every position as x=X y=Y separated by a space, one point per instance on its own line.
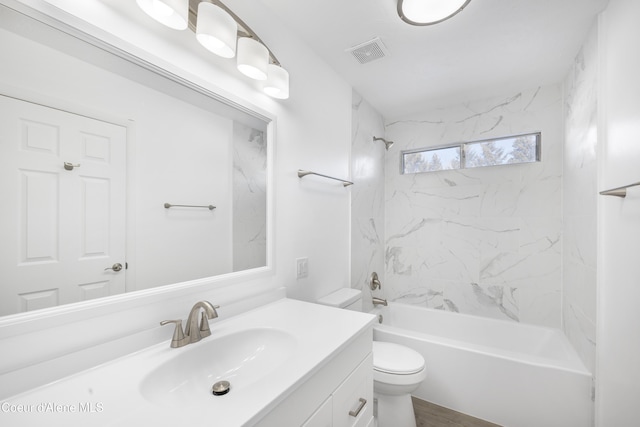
x=511 y=374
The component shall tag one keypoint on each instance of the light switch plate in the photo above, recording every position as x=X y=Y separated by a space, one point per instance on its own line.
x=302 y=267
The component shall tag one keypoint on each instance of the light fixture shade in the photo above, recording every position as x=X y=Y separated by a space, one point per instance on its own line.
x=172 y=13
x=277 y=84
x=216 y=30
x=429 y=12
x=253 y=58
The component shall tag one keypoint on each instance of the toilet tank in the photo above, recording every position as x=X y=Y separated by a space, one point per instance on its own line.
x=348 y=298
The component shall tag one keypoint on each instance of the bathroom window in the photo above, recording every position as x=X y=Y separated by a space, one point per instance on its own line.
x=490 y=152
x=436 y=159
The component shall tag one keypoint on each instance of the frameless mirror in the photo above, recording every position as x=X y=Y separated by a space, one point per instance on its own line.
x=117 y=176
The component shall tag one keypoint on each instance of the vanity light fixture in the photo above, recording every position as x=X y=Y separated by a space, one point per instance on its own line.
x=277 y=84
x=222 y=32
x=429 y=12
x=216 y=30
x=172 y=13
x=253 y=58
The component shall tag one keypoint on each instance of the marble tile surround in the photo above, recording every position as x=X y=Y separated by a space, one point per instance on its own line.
x=249 y=197
x=484 y=241
x=367 y=197
x=580 y=203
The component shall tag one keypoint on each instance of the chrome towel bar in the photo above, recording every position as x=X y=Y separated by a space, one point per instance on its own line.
x=169 y=205
x=620 y=191
x=302 y=173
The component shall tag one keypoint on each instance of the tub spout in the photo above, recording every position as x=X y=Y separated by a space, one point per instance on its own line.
x=379 y=301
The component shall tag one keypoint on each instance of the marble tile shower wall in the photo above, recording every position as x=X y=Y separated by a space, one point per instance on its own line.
x=483 y=241
x=580 y=192
x=249 y=197
x=367 y=196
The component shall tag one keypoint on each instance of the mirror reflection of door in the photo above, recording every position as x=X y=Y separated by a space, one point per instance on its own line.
x=45 y=204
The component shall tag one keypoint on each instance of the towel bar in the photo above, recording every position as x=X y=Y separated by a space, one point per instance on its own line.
x=302 y=173
x=169 y=205
x=620 y=191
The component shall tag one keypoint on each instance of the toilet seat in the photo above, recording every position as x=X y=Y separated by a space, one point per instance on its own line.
x=395 y=359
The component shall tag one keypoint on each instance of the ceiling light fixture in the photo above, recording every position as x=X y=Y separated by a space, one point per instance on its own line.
x=222 y=32
x=429 y=12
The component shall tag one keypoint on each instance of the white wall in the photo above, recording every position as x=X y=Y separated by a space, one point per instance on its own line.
x=367 y=201
x=313 y=132
x=580 y=201
x=618 y=350
x=483 y=241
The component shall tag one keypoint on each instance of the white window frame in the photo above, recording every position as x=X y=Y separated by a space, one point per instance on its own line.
x=461 y=147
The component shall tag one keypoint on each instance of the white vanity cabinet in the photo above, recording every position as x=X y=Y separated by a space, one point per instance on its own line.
x=353 y=400
x=323 y=417
x=334 y=391
x=312 y=367
x=351 y=404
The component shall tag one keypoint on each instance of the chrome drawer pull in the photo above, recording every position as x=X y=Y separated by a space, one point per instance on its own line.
x=357 y=411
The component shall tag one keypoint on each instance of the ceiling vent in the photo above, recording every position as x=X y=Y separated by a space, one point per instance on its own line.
x=368 y=51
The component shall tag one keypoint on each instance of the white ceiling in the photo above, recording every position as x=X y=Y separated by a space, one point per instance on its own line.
x=490 y=48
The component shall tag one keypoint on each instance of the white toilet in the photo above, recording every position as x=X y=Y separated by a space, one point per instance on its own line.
x=397 y=370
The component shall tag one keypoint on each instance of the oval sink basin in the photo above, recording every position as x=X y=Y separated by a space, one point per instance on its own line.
x=242 y=358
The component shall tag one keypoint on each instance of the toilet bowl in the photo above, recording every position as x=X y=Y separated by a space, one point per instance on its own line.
x=397 y=370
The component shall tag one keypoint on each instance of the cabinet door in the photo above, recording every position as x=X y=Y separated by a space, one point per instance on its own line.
x=353 y=400
x=322 y=417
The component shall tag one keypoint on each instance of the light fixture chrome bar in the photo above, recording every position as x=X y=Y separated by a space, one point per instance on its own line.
x=169 y=205
x=243 y=29
x=620 y=191
x=303 y=173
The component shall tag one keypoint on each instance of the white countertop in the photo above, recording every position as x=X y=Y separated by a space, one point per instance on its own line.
x=111 y=394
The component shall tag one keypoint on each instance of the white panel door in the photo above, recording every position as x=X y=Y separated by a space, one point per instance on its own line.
x=59 y=227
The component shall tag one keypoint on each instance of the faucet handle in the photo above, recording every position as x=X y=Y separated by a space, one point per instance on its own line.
x=215 y=313
x=204 y=322
x=374 y=282
x=178 y=339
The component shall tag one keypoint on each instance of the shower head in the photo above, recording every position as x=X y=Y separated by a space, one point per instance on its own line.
x=387 y=144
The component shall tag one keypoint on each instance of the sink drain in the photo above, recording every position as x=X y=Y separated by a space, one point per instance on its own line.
x=220 y=388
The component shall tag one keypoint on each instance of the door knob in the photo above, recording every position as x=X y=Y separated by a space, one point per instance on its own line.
x=69 y=166
x=115 y=267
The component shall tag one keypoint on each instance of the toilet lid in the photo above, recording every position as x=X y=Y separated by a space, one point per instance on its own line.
x=396 y=359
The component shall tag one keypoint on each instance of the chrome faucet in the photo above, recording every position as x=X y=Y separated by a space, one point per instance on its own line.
x=379 y=301
x=193 y=332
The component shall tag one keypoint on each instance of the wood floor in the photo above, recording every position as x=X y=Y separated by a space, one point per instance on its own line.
x=430 y=415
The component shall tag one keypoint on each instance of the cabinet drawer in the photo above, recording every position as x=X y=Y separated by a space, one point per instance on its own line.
x=322 y=417
x=355 y=394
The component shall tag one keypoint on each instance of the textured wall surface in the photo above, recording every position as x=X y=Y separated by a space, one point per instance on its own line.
x=484 y=241
x=367 y=197
x=580 y=203
x=249 y=197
